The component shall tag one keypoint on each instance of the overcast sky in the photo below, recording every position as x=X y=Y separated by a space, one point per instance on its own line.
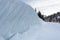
x=47 y=7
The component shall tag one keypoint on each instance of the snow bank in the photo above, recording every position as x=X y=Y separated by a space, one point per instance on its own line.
x=16 y=17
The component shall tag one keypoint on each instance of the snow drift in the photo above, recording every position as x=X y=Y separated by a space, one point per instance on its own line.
x=16 y=17
x=18 y=21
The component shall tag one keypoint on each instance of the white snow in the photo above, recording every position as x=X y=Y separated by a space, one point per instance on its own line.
x=18 y=21
x=17 y=36
x=1 y=38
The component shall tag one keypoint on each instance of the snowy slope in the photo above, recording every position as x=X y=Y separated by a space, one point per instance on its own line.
x=48 y=31
x=18 y=21
x=16 y=17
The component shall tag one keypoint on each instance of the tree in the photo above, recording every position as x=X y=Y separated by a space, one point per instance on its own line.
x=40 y=15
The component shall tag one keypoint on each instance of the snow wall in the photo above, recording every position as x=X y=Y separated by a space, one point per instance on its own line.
x=16 y=17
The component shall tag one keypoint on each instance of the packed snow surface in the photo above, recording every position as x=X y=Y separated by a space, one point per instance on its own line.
x=18 y=21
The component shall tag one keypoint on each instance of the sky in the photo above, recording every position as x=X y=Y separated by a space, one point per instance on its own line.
x=46 y=7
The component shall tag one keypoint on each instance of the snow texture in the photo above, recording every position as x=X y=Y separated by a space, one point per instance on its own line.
x=18 y=21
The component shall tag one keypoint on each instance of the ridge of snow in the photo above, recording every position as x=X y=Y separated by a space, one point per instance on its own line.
x=17 y=36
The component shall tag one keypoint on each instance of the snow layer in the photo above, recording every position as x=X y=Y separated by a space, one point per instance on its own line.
x=18 y=21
